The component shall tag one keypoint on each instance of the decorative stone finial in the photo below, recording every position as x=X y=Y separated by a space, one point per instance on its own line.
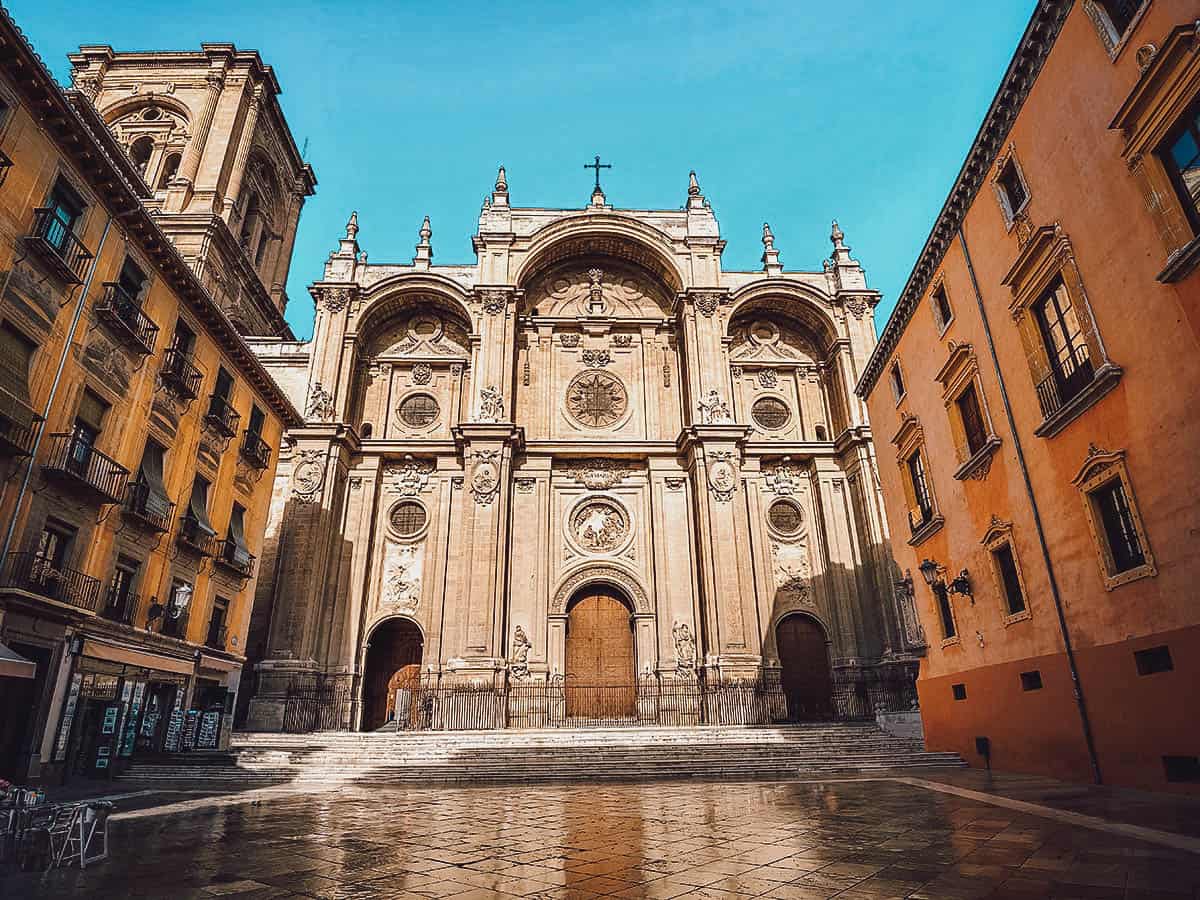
x=424 y=248
x=426 y=232
x=693 y=184
x=837 y=237
x=501 y=182
x=770 y=257
x=352 y=226
x=768 y=238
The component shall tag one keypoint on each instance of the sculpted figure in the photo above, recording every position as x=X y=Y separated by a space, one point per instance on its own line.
x=685 y=650
x=519 y=667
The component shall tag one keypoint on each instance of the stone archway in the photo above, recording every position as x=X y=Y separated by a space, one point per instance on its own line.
x=806 y=676
x=600 y=655
x=393 y=665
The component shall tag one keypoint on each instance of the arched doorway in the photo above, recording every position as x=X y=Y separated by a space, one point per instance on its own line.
x=600 y=660
x=393 y=665
x=806 y=678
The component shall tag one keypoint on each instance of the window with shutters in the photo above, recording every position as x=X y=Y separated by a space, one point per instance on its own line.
x=939 y=305
x=17 y=415
x=1160 y=124
x=975 y=440
x=1067 y=359
x=1114 y=20
x=1007 y=578
x=1116 y=525
x=923 y=516
x=896 y=377
x=1012 y=191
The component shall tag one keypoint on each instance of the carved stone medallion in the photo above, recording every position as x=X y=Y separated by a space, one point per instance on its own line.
x=308 y=476
x=596 y=399
x=485 y=477
x=722 y=475
x=599 y=526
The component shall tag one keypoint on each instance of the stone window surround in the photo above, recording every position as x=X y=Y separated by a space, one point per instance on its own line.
x=939 y=284
x=1048 y=255
x=999 y=534
x=1100 y=467
x=898 y=394
x=1010 y=214
x=910 y=439
x=1165 y=92
x=1113 y=43
x=961 y=371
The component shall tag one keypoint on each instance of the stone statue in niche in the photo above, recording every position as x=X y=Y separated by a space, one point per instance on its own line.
x=320 y=404
x=685 y=650
x=714 y=410
x=518 y=667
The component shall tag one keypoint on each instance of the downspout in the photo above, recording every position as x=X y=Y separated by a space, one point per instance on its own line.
x=62 y=364
x=1076 y=684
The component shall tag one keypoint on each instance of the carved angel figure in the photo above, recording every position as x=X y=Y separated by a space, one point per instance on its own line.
x=714 y=410
x=685 y=650
x=491 y=405
x=519 y=666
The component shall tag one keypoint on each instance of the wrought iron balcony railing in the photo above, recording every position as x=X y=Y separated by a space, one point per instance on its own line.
x=36 y=574
x=15 y=439
x=180 y=374
x=222 y=416
x=121 y=607
x=175 y=627
x=1064 y=383
x=74 y=460
x=52 y=238
x=126 y=318
x=256 y=451
x=148 y=507
x=239 y=559
x=197 y=538
x=5 y=164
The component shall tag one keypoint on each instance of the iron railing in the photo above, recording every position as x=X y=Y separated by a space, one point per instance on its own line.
x=57 y=244
x=124 y=315
x=176 y=626
x=38 y=575
x=256 y=451
x=148 y=506
x=233 y=556
x=322 y=703
x=221 y=414
x=1065 y=381
x=195 y=537
x=72 y=458
x=15 y=439
x=216 y=639
x=5 y=164
x=121 y=607
x=179 y=373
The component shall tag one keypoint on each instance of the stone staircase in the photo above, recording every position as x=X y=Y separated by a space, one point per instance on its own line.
x=544 y=755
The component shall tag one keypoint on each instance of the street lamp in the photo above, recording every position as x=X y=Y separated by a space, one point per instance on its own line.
x=929 y=571
x=180 y=598
x=962 y=585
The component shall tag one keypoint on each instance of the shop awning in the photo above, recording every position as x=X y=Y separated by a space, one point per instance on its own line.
x=98 y=650
x=14 y=665
x=217 y=664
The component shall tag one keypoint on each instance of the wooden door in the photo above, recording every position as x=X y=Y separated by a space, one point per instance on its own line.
x=402 y=694
x=807 y=682
x=601 y=682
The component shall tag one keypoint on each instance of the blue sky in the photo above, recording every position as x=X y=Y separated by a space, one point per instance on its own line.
x=791 y=113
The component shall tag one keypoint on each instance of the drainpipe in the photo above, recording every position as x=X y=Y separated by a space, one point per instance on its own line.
x=1076 y=684
x=62 y=364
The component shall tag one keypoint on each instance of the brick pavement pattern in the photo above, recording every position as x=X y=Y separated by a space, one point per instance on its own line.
x=851 y=840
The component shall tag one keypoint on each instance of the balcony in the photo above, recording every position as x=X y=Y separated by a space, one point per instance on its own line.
x=217 y=638
x=123 y=314
x=5 y=164
x=37 y=575
x=255 y=450
x=174 y=627
x=121 y=606
x=15 y=439
x=74 y=461
x=923 y=525
x=180 y=374
x=196 y=538
x=236 y=558
x=147 y=507
x=54 y=241
x=222 y=416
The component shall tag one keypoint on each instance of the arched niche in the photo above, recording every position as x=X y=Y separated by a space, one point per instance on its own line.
x=392 y=657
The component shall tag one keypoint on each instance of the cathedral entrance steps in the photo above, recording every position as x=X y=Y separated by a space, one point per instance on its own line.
x=547 y=755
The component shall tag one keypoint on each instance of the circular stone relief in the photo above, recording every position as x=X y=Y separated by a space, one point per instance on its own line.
x=596 y=399
x=418 y=410
x=771 y=413
x=785 y=517
x=408 y=518
x=599 y=526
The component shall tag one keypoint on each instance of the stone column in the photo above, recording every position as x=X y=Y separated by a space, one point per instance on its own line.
x=233 y=191
x=180 y=189
x=331 y=362
x=283 y=258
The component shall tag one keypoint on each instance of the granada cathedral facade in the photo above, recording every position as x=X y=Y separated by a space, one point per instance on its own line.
x=591 y=457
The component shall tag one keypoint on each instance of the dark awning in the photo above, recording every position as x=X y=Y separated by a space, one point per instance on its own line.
x=14 y=665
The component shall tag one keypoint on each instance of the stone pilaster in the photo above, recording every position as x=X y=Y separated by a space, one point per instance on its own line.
x=233 y=192
x=180 y=190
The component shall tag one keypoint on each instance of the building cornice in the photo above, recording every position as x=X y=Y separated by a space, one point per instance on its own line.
x=1022 y=73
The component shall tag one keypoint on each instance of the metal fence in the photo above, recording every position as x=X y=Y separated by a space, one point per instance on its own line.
x=318 y=703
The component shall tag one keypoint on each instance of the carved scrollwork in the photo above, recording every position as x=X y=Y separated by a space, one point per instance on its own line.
x=601 y=574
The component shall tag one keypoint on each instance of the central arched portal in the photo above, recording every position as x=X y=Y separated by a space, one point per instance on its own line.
x=393 y=669
x=806 y=679
x=600 y=657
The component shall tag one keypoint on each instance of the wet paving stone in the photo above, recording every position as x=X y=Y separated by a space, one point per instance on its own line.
x=851 y=840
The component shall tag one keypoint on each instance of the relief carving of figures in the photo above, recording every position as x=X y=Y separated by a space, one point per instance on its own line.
x=596 y=474
x=108 y=363
x=722 y=475
x=320 y=404
x=685 y=651
x=308 y=476
x=518 y=666
x=714 y=410
x=491 y=405
x=792 y=571
x=407 y=478
x=485 y=476
x=402 y=577
x=783 y=478
x=599 y=526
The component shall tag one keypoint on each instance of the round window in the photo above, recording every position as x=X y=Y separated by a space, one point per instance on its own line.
x=785 y=517
x=771 y=413
x=419 y=410
x=407 y=518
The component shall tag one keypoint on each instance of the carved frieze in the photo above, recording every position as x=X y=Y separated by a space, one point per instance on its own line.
x=596 y=474
x=408 y=478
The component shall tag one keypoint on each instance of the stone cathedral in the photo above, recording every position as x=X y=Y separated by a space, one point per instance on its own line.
x=592 y=456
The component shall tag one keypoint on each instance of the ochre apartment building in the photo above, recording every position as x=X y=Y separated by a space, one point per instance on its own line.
x=1033 y=398
x=138 y=433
